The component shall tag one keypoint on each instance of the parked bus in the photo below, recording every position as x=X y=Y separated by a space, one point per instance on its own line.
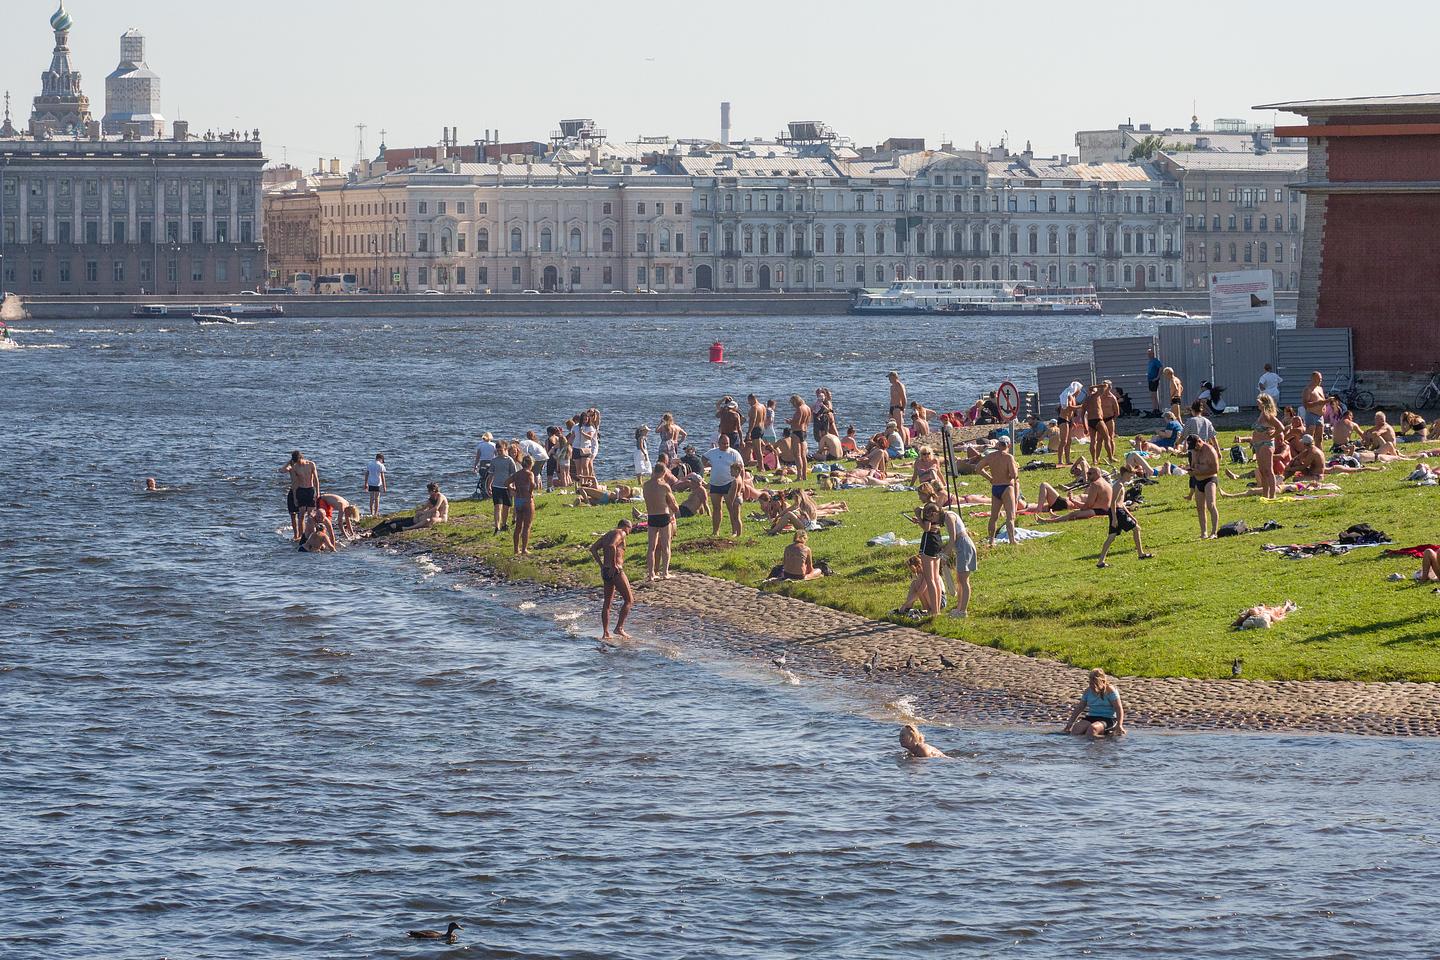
x=337 y=283
x=303 y=285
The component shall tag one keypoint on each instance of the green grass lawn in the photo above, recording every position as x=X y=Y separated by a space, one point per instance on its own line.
x=1169 y=616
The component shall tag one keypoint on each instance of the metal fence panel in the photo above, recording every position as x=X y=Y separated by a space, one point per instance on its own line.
x=1185 y=348
x=1303 y=350
x=1054 y=379
x=1240 y=352
x=1122 y=361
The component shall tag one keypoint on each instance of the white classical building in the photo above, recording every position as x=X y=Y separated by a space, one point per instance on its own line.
x=796 y=216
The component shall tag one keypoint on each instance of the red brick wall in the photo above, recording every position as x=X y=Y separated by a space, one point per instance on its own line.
x=1381 y=276
x=1384 y=158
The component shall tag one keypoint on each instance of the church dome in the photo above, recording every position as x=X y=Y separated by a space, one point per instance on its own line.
x=60 y=19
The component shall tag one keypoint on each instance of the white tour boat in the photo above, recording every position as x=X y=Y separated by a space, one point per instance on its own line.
x=987 y=297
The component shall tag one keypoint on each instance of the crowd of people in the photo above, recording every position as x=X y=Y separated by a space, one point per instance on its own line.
x=773 y=463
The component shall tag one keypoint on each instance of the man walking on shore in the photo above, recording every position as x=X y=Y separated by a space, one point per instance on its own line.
x=609 y=553
x=304 y=488
x=660 y=509
x=1002 y=471
x=375 y=482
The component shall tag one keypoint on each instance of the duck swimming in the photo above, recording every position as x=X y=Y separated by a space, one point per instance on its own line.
x=448 y=936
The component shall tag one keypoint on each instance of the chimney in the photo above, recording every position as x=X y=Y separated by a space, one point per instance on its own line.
x=594 y=154
x=181 y=129
x=335 y=166
x=320 y=166
x=725 y=122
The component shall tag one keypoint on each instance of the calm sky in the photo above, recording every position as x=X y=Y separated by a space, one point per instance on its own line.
x=307 y=73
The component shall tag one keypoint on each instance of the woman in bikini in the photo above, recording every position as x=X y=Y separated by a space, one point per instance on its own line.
x=1268 y=433
x=522 y=489
x=672 y=437
x=1065 y=414
x=927 y=468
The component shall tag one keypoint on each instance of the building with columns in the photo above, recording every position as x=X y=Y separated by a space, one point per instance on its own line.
x=798 y=215
x=88 y=214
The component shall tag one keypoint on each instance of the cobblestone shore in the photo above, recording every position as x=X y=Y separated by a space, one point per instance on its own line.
x=958 y=682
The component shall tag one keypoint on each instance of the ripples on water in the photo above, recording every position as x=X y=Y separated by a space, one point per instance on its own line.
x=216 y=747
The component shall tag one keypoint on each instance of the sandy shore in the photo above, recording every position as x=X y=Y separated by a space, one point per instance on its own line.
x=957 y=682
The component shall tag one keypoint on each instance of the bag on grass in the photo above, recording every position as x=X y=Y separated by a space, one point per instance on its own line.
x=1238 y=454
x=1233 y=529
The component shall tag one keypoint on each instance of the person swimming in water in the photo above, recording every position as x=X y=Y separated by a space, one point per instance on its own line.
x=914 y=743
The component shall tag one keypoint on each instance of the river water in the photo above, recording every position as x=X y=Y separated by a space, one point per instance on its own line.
x=215 y=747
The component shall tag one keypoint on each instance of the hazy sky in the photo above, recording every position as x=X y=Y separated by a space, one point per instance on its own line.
x=307 y=73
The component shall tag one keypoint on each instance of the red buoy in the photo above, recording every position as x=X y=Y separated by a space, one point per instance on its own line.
x=717 y=352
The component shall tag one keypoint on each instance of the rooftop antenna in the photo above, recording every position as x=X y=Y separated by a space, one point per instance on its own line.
x=360 y=144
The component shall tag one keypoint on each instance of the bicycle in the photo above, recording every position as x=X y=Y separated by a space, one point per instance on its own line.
x=1429 y=396
x=1353 y=397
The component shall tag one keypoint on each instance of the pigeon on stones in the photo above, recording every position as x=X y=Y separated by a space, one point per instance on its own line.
x=910 y=663
x=947 y=662
x=780 y=661
x=874 y=661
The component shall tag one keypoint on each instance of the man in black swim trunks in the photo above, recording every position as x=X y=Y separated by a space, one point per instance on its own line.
x=304 y=488
x=609 y=552
x=660 y=510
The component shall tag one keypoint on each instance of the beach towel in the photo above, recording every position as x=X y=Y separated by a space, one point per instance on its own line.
x=890 y=539
x=1021 y=535
x=1417 y=552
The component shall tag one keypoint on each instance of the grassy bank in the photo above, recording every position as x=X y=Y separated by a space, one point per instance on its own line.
x=1169 y=616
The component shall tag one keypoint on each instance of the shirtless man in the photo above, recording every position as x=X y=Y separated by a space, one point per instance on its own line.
x=755 y=426
x=1344 y=432
x=791 y=452
x=609 y=553
x=333 y=503
x=798 y=563
x=304 y=488
x=898 y=399
x=660 y=511
x=1003 y=472
x=697 y=504
x=800 y=421
x=1204 y=481
x=1095 y=421
x=1051 y=500
x=1096 y=502
x=728 y=417
x=1109 y=412
x=1309 y=462
x=1314 y=402
x=1381 y=437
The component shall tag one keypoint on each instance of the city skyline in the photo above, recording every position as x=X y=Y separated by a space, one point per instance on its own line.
x=666 y=81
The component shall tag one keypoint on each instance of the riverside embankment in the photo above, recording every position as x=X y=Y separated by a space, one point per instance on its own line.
x=757 y=303
x=1164 y=625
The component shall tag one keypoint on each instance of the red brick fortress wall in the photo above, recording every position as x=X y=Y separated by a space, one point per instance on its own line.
x=1381 y=269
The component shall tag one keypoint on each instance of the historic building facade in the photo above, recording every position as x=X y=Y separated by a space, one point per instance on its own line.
x=802 y=220
x=81 y=213
x=468 y=227
x=1242 y=212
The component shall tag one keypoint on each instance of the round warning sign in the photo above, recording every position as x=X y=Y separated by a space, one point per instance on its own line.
x=1007 y=399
